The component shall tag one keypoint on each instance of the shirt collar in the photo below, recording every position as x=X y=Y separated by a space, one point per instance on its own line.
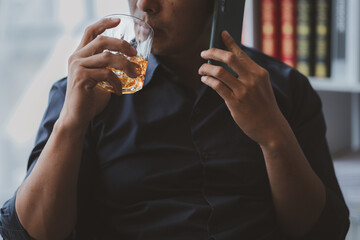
x=153 y=64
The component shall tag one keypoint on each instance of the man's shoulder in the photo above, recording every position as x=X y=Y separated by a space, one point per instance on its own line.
x=282 y=76
x=291 y=88
x=277 y=69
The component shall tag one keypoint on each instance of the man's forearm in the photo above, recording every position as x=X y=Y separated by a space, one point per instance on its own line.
x=46 y=201
x=298 y=193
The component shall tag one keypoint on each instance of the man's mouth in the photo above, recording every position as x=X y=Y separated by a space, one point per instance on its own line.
x=155 y=26
x=152 y=24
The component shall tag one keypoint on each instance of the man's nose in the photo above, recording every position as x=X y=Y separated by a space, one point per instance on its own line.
x=149 y=6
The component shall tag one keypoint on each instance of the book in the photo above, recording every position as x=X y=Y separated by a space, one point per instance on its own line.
x=288 y=32
x=305 y=37
x=270 y=42
x=322 y=38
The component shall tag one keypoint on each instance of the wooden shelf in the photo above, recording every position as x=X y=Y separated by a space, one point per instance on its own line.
x=328 y=84
x=348 y=156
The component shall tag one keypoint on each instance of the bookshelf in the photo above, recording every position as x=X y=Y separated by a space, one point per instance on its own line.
x=344 y=51
x=327 y=85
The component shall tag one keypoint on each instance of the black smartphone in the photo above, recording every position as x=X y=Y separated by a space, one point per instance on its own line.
x=228 y=15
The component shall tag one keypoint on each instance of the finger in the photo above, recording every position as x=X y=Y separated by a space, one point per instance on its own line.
x=102 y=43
x=221 y=74
x=235 y=58
x=232 y=46
x=229 y=58
x=221 y=88
x=107 y=59
x=230 y=43
x=95 y=76
x=96 y=29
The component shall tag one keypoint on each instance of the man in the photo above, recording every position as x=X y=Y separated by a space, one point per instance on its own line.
x=196 y=154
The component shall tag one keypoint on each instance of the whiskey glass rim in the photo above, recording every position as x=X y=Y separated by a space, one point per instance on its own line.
x=131 y=17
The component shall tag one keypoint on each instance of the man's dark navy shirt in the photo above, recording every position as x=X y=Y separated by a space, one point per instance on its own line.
x=167 y=163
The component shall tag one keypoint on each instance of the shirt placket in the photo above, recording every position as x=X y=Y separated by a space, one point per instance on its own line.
x=197 y=119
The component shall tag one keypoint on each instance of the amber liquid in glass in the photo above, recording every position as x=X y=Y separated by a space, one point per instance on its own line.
x=129 y=85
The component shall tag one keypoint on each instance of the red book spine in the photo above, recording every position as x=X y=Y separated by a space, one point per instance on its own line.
x=270 y=43
x=288 y=33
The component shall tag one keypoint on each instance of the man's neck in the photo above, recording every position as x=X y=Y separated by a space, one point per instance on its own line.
x=186 y=65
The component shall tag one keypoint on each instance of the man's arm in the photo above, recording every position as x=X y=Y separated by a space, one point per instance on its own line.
x=46 y=202
x=298 y=193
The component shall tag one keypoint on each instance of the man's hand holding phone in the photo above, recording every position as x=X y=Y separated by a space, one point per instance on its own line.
x=249 y=97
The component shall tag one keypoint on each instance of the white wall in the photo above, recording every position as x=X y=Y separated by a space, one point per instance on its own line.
x=337 y=111
x=36 y=38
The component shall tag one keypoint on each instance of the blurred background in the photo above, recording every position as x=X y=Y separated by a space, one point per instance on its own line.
x=36 y=39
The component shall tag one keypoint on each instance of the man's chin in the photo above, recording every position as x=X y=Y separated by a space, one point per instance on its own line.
x=160 y=50
x=164 y=46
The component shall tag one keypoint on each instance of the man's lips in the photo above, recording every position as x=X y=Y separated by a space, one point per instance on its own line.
x=156 y=30
x=153 y=25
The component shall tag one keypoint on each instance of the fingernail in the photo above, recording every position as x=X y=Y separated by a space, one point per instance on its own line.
x=134 y=73
x=203 y=53
x=133 y=51
x=203 y=79
x=226 y=33
x=114 y=19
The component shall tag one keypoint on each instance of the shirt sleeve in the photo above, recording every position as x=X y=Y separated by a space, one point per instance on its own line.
x=10 y=226
x=308 y=124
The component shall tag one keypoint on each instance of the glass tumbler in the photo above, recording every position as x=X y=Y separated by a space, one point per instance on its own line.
x=140 y=35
